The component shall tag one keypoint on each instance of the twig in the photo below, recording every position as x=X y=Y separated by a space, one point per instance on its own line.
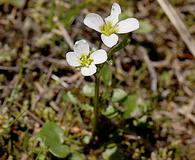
x=188 y=8
x=163 y=63
x=12 y=68
x=186 y=110
x=178 y=24
x=177 y=71
x=73 y=78
x=42 y=92
x=62 y=31
x=151 y=69
x=35 y=117
x=56 y=78
x=180 y=77
x=57 y=62
x=54 y=106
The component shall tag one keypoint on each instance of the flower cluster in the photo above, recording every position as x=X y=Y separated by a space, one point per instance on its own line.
x=85 y=59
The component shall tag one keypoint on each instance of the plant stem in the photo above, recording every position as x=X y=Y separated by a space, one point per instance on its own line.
x=96 y=105
x=121 y=45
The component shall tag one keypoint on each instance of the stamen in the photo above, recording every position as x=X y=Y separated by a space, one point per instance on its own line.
x=85 y=60
x=108 y=28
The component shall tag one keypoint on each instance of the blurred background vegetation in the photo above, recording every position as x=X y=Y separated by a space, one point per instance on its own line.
x=149 y=99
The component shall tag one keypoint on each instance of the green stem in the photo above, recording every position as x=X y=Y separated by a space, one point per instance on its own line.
x=96 y=105
x=115 y=49
x=121 y=45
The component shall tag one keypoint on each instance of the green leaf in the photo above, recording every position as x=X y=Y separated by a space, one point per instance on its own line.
x=70 y=98
x=108 y=153
x=145 y=27
x=17 y=3
x=89 y=89
x=107 y=75
x=59 y=150
x=52 y=136
x=131 y=105
x=86 y=107
x=165 y=78
x=77 y=156
x=41 y=157
x=118 y=94
x=51 y=131
x=86 y=139
x=110 y=112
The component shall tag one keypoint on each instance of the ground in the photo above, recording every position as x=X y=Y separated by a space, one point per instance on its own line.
x=155 y=117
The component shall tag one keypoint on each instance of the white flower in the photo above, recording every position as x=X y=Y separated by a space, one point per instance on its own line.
x=84 y=59
x=111 y=25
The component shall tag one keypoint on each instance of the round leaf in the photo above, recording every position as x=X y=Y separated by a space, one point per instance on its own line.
x=89 y=90
x=118 y=94
x=77 y=156
x=107 y=75
x=131 y=106
x=60 y=151
x=51 y=133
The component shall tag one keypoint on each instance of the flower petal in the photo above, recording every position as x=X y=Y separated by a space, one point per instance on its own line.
x=109 y=41
x=81 y=47
x=88 y=71
x=99 y=56
x=93 y=21
x=114 y=16
x=116 y=9
x=72 y=59
x=128 y=25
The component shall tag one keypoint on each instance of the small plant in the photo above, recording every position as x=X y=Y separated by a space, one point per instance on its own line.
x=92 y=62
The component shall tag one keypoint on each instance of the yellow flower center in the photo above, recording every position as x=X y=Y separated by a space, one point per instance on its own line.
x=108 y=28
x=85 y=60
